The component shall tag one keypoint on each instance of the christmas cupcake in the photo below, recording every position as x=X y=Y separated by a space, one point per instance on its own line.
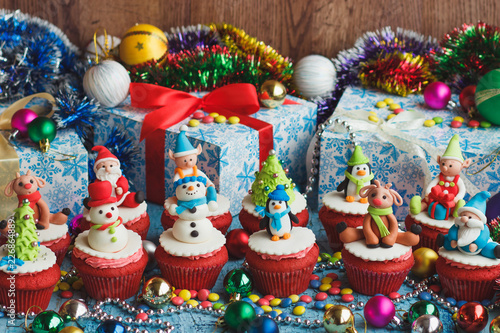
x=443 y=197
x=468 y=262
x=185 y=157
x=254 y=204
x=28 y=272
x=191 y=253
x=346 y=205
x=281 y=258
x=378 y=256
x=109 y=258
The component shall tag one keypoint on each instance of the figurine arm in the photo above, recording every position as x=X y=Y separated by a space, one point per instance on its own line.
x=264 y=222
x=461 y=190
x=294 y=218
x=483 y=238
x=43 y=219
x=123 y=183
x=342 y=186
x=433 y=183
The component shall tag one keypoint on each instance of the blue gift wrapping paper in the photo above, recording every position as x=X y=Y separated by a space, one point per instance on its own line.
x=391 y=165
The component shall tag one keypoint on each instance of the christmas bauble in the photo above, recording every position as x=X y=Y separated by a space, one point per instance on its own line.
x=263 y=325
x=425 y=262
x=488 y=96
x=21 y=119
x=467 y=98
x=314 y=75
x=472 y=317
x=107 y=82
x=427 y=324
x=379 y=311
x=101 y=46
x=71 y=329
x=493 y=207
x=150 y=249
x=421 y=308
x=73 y=309
x=111 y=326
x=495 y=325
x=237 y=243
x=42 y=130
x=239 y=316
x=156 y=292
x=141 y=43
x=272 y=94
x=238 y=281
x=437 y=95
x=47 y=322
x=338 y=318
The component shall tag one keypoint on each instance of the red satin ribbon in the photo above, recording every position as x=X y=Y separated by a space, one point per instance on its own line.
x=238 y=99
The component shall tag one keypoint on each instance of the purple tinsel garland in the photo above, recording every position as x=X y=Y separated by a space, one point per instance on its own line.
x=190 y=37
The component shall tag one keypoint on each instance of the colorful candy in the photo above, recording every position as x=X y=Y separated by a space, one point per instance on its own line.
x=208 y=119
x=429 y=123
x=299 y=310
x=198 y=115
x=456 y=124
x=394 y=106
x=321 y=296
x=213 y=297
x=347 y=298
x=438 y=120
x=220 y=119
x=381 y=104
x=233 y=120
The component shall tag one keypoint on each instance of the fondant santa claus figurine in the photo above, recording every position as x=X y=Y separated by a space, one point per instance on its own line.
x=470 y=235
x=107 y=168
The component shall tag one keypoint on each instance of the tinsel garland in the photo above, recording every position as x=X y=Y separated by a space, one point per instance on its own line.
x=191 y=37
x=397 y=73
x=467 y=53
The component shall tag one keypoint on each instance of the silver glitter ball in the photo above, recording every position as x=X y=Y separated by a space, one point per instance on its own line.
x=150 y=249
x=427 y=324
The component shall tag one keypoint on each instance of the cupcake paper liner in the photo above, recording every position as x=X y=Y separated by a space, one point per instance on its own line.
x=122 y=287
x=427 y=236
x=189 y=277
x=281 y=284
x=24 y=299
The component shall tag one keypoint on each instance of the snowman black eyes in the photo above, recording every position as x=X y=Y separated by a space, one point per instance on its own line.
x=103 y=167
x=184 y=186
x=112 y=208
x=100 y=212
x=198 y=185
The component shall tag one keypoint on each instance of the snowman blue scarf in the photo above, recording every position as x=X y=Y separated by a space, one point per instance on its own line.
x=276 y=217
x=183 y=205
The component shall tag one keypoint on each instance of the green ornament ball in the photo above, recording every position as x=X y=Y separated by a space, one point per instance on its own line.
x=488 y=96
x=238 y=281
x=47 y=322
x=421 y=308
x=42 y=128
x=239 y=316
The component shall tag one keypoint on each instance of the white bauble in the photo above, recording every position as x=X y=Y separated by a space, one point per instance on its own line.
x=314 y=75
x=101 y=49
x=108 y=82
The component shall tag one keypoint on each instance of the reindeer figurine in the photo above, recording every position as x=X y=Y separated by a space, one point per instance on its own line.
x=26 y=187
x=380 y=227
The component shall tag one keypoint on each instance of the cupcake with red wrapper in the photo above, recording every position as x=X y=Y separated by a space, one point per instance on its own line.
x=281 y=258
x=109 y=258
x=266 y=180
x=185 y=157
x=468 y=262
x=443 y=197
x=28 y=271
x=378 y=256
x=192 y=253
x=345 y=205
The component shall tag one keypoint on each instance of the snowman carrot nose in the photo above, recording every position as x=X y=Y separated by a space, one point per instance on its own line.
x=190 y=188
x=109 y=215
x=361 y=172
x=277 y=207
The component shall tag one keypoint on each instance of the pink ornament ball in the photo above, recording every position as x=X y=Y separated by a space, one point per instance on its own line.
x=379 y=311
x=21 y=119
x=437 y=95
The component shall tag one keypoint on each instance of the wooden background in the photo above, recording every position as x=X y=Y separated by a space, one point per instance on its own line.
x=294 y=27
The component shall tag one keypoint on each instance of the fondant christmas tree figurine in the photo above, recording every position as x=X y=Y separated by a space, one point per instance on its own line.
x=358 y=174
x=444 y=195
x=267 y=180
x=24 y=237
x=278 y=217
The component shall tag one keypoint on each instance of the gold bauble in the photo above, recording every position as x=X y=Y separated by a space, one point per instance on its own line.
x=272 y=94
x=73 y=309
x=143 y=42
x=425 y=262
x=71 y=329
x=339 y=318
x=156 y=292
x=495 y=325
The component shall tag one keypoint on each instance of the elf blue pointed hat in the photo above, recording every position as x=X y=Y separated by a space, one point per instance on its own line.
x=477 y=205
x=279 y=194
x=183 y=146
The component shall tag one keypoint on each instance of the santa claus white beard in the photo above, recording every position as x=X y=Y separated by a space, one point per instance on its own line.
x=111 y=177
x=468 y=234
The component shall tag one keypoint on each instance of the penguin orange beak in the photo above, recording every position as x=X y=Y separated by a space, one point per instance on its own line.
x=190 y=188
x=277 y=207
x=361 y=173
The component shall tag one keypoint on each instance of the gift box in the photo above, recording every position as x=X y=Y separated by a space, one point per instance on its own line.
x=231 y=152
x=64 y=168
x=402 y=151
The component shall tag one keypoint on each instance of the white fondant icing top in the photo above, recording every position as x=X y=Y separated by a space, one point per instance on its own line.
x=222 y=203
x=45 y=260
x=298 y=205
x=126 y=213
x=360 y=250
x=134 y=244
x=52 y=233
x=465 y=259
x=300 y=240
x=180 y=249
x=424 y=218
x=336 y=201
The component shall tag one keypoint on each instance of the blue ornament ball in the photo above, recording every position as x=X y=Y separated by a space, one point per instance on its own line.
x=263 y=325
x=111 y=326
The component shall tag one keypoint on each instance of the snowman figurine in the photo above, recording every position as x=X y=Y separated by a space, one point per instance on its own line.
x=192 y=209
x=107 y=233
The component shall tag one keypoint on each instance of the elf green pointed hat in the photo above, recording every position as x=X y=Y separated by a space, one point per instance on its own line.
x=357 y=157
x=453 y=152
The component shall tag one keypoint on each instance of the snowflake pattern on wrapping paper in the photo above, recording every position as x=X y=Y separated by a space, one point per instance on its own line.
x=45 y=168
x=247 y=176
x=75 y=167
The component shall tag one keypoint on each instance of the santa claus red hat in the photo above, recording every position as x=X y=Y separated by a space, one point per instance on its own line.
x=103 y=154
x=100 y=194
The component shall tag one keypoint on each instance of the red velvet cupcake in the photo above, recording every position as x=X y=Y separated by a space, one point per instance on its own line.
x=191 y=265
x=221 y=218
x=335 y=210
x=57 y=239
x=32 y=283
x=282 y=267
x=430 y=229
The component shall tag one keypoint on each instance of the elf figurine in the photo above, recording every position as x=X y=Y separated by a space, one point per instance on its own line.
x=185 y=158
x=278 y=217
x=358 y=174
x=444 y=195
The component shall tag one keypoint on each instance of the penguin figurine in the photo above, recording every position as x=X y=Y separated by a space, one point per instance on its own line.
x=358 y=174
x=278 y=218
